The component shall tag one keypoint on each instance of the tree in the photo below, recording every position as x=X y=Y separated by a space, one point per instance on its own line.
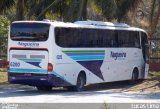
x=154 y=16
x=76 y=11
x=4 y=25
x=124 y=6
x=20 y=10
x=116 y=9
x=106 y=8
x=70 y=10
x=6 y=4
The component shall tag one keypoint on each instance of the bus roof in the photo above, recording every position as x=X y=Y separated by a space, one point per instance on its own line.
x=88 y=24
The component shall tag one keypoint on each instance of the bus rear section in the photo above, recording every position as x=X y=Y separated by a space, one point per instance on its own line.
x=28 y=54
x=28 y=66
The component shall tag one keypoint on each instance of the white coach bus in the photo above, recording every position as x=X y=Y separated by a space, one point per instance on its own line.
x=49 y=54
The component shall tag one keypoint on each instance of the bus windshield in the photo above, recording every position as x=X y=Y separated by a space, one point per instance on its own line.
x=29 y=31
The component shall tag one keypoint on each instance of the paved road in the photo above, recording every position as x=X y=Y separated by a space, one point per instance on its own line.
x=109 y=93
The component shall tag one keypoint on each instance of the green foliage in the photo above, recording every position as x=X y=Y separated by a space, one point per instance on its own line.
x=154 y=16
x=123 y=6
x=107 y=8
x=73 y=10
x=69 y=10
x=6 y=4
x=4 y=25
x=114 y=9
x=51 y=16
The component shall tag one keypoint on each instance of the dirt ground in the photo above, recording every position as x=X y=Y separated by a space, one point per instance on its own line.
x=152 y=84
x=3 y=75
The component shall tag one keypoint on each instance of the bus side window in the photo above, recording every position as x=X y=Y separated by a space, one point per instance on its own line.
x=135 y=39
x=123 y=38
x=113 y=43
x=111 y=40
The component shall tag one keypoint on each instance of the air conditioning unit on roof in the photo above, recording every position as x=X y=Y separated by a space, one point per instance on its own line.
x=100 y=23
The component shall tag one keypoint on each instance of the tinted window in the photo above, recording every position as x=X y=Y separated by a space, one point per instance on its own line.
x=29 y=31
x=135 y=38
x=128 y=39
x=109 y=38
x=123 y=38
x=81 y=37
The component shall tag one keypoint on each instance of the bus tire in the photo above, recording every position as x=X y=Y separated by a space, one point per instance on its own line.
x=134 y=78
x=44 y=88
x=80 y=82
x=70 y=88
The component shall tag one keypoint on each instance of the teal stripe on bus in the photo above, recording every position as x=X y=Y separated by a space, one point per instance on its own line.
x=20 y=70
x=31 y=60
x=66 y=51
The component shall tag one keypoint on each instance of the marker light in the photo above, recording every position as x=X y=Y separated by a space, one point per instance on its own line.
x=50 y=68
x=7 y=65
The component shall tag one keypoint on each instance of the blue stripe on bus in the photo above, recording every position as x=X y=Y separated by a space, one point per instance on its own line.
x=84 y=58
x=18 y=70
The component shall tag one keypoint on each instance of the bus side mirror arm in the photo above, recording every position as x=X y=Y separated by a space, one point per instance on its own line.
x=152 y=45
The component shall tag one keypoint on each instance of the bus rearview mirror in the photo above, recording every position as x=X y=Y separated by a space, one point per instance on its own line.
x=152 y=45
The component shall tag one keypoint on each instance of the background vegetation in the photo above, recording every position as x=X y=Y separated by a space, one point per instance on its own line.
x=141 y=13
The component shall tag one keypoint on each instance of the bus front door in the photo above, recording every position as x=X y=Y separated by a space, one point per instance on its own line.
x=145 y=52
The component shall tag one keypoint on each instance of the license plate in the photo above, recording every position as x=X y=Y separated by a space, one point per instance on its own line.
x=27 y=74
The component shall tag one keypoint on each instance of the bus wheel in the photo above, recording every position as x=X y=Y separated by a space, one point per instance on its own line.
x=134 y=77
x=70 y=88
x=80 y=83
x=44 y=88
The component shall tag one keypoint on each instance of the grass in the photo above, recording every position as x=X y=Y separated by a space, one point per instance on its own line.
x=3 y=75
x=154 y=74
